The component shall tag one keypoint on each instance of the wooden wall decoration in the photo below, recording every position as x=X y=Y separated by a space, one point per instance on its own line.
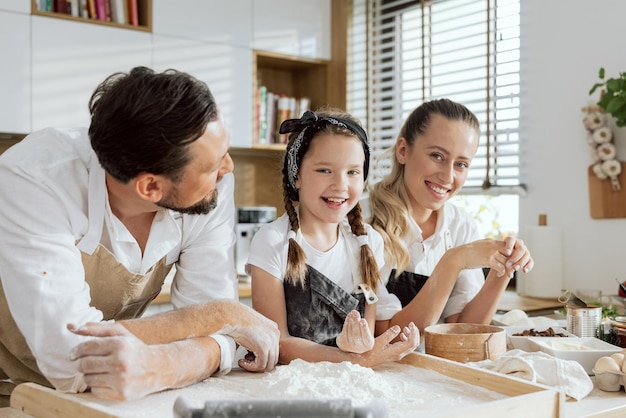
x=604 y=202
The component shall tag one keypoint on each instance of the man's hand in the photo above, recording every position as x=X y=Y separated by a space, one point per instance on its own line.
x=355 y=336
x=118 y=365
x=260 y=337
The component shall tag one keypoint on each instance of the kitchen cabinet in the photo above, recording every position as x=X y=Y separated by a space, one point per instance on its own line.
x=70 y=58
x=19 y=6
x=15 y=108
x=293 y=27
x=222 y=67
x=214 y=21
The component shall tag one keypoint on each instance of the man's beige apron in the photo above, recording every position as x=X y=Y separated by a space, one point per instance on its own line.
x=115 y=291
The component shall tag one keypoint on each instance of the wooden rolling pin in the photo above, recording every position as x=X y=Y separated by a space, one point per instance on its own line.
x=301 y=408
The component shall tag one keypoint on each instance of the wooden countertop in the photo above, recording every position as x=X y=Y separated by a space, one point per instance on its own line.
x=43 y=402
x=512 y=300
x=245 y=291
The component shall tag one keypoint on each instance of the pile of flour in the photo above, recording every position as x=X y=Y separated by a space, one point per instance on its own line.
x=407 y=391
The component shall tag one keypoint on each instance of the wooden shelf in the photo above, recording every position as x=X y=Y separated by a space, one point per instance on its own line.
x=144 y=13
x=258 y=176
x=292 y=76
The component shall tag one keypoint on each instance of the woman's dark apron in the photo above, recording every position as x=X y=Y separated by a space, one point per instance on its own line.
x=317 y=310
x=408 y=284
x=115 y=291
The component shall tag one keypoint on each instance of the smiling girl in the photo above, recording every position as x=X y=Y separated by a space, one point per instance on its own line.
x=315 y=270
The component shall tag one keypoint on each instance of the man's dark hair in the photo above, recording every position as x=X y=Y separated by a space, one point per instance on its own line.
x=142 y=121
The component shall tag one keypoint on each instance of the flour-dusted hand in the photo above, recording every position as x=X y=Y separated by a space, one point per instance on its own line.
x=260 y=336
x=118 y=365
x=356 y=335
x=385 y=350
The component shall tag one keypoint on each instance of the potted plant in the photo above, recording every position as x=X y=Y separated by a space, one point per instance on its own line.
x=612 y=96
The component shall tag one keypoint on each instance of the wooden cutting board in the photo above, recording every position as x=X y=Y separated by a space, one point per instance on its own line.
x=41 y=402
x=604 y=202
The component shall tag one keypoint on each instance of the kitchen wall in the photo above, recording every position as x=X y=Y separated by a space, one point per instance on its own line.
x=563 y=44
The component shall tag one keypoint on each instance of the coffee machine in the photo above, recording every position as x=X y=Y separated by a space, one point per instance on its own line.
x=249 y=219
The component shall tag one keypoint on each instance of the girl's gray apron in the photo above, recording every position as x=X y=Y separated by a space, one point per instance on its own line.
x=317 y=310
x=115 y=291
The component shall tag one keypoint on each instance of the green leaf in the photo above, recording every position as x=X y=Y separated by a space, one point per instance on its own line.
x=605 y=100
x=615 y=104
x=595 y=87
x=601 y=73
x=613 y=85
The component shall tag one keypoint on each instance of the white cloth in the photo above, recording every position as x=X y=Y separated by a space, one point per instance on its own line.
x=54 y=195
x=567 y=376
x=454 y=228
x=268 y=251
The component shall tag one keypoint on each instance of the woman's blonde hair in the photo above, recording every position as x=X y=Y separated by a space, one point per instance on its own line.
x=389 y=201
x=302 y=133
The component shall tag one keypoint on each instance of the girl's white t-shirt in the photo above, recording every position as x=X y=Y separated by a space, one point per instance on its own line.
x=269 y=246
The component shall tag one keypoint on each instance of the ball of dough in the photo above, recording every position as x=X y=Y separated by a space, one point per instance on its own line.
x=513 y=316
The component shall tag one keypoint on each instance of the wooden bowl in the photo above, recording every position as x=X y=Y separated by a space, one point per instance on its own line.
x=465 y=342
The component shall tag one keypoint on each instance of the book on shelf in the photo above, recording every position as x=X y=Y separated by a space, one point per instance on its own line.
x=101 y=10
x=91 y=7
x=261 y=116
x=60 y=6
x=133 y=13
x=119 y=11
x=271 y=109
x=83 y=9
x=73 y=7
x=282 y=114
x=44 y=5
x=270 y=117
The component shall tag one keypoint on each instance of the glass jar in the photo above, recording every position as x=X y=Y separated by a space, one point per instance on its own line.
x=618 y=331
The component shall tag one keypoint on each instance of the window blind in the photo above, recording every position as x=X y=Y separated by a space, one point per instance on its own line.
x=404 y=52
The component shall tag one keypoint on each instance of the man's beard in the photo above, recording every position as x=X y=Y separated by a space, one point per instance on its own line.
x=203 y=207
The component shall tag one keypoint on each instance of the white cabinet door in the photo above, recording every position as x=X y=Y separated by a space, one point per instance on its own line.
x=15 y=73
x=20 y=6
x=223 y=22
x=293 y=27
x=69 y=60
x=226 y=69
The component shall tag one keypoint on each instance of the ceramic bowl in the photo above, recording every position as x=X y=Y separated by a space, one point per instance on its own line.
x=585 y=350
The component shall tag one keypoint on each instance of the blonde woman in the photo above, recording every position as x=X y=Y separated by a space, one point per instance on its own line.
x=433 y=254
